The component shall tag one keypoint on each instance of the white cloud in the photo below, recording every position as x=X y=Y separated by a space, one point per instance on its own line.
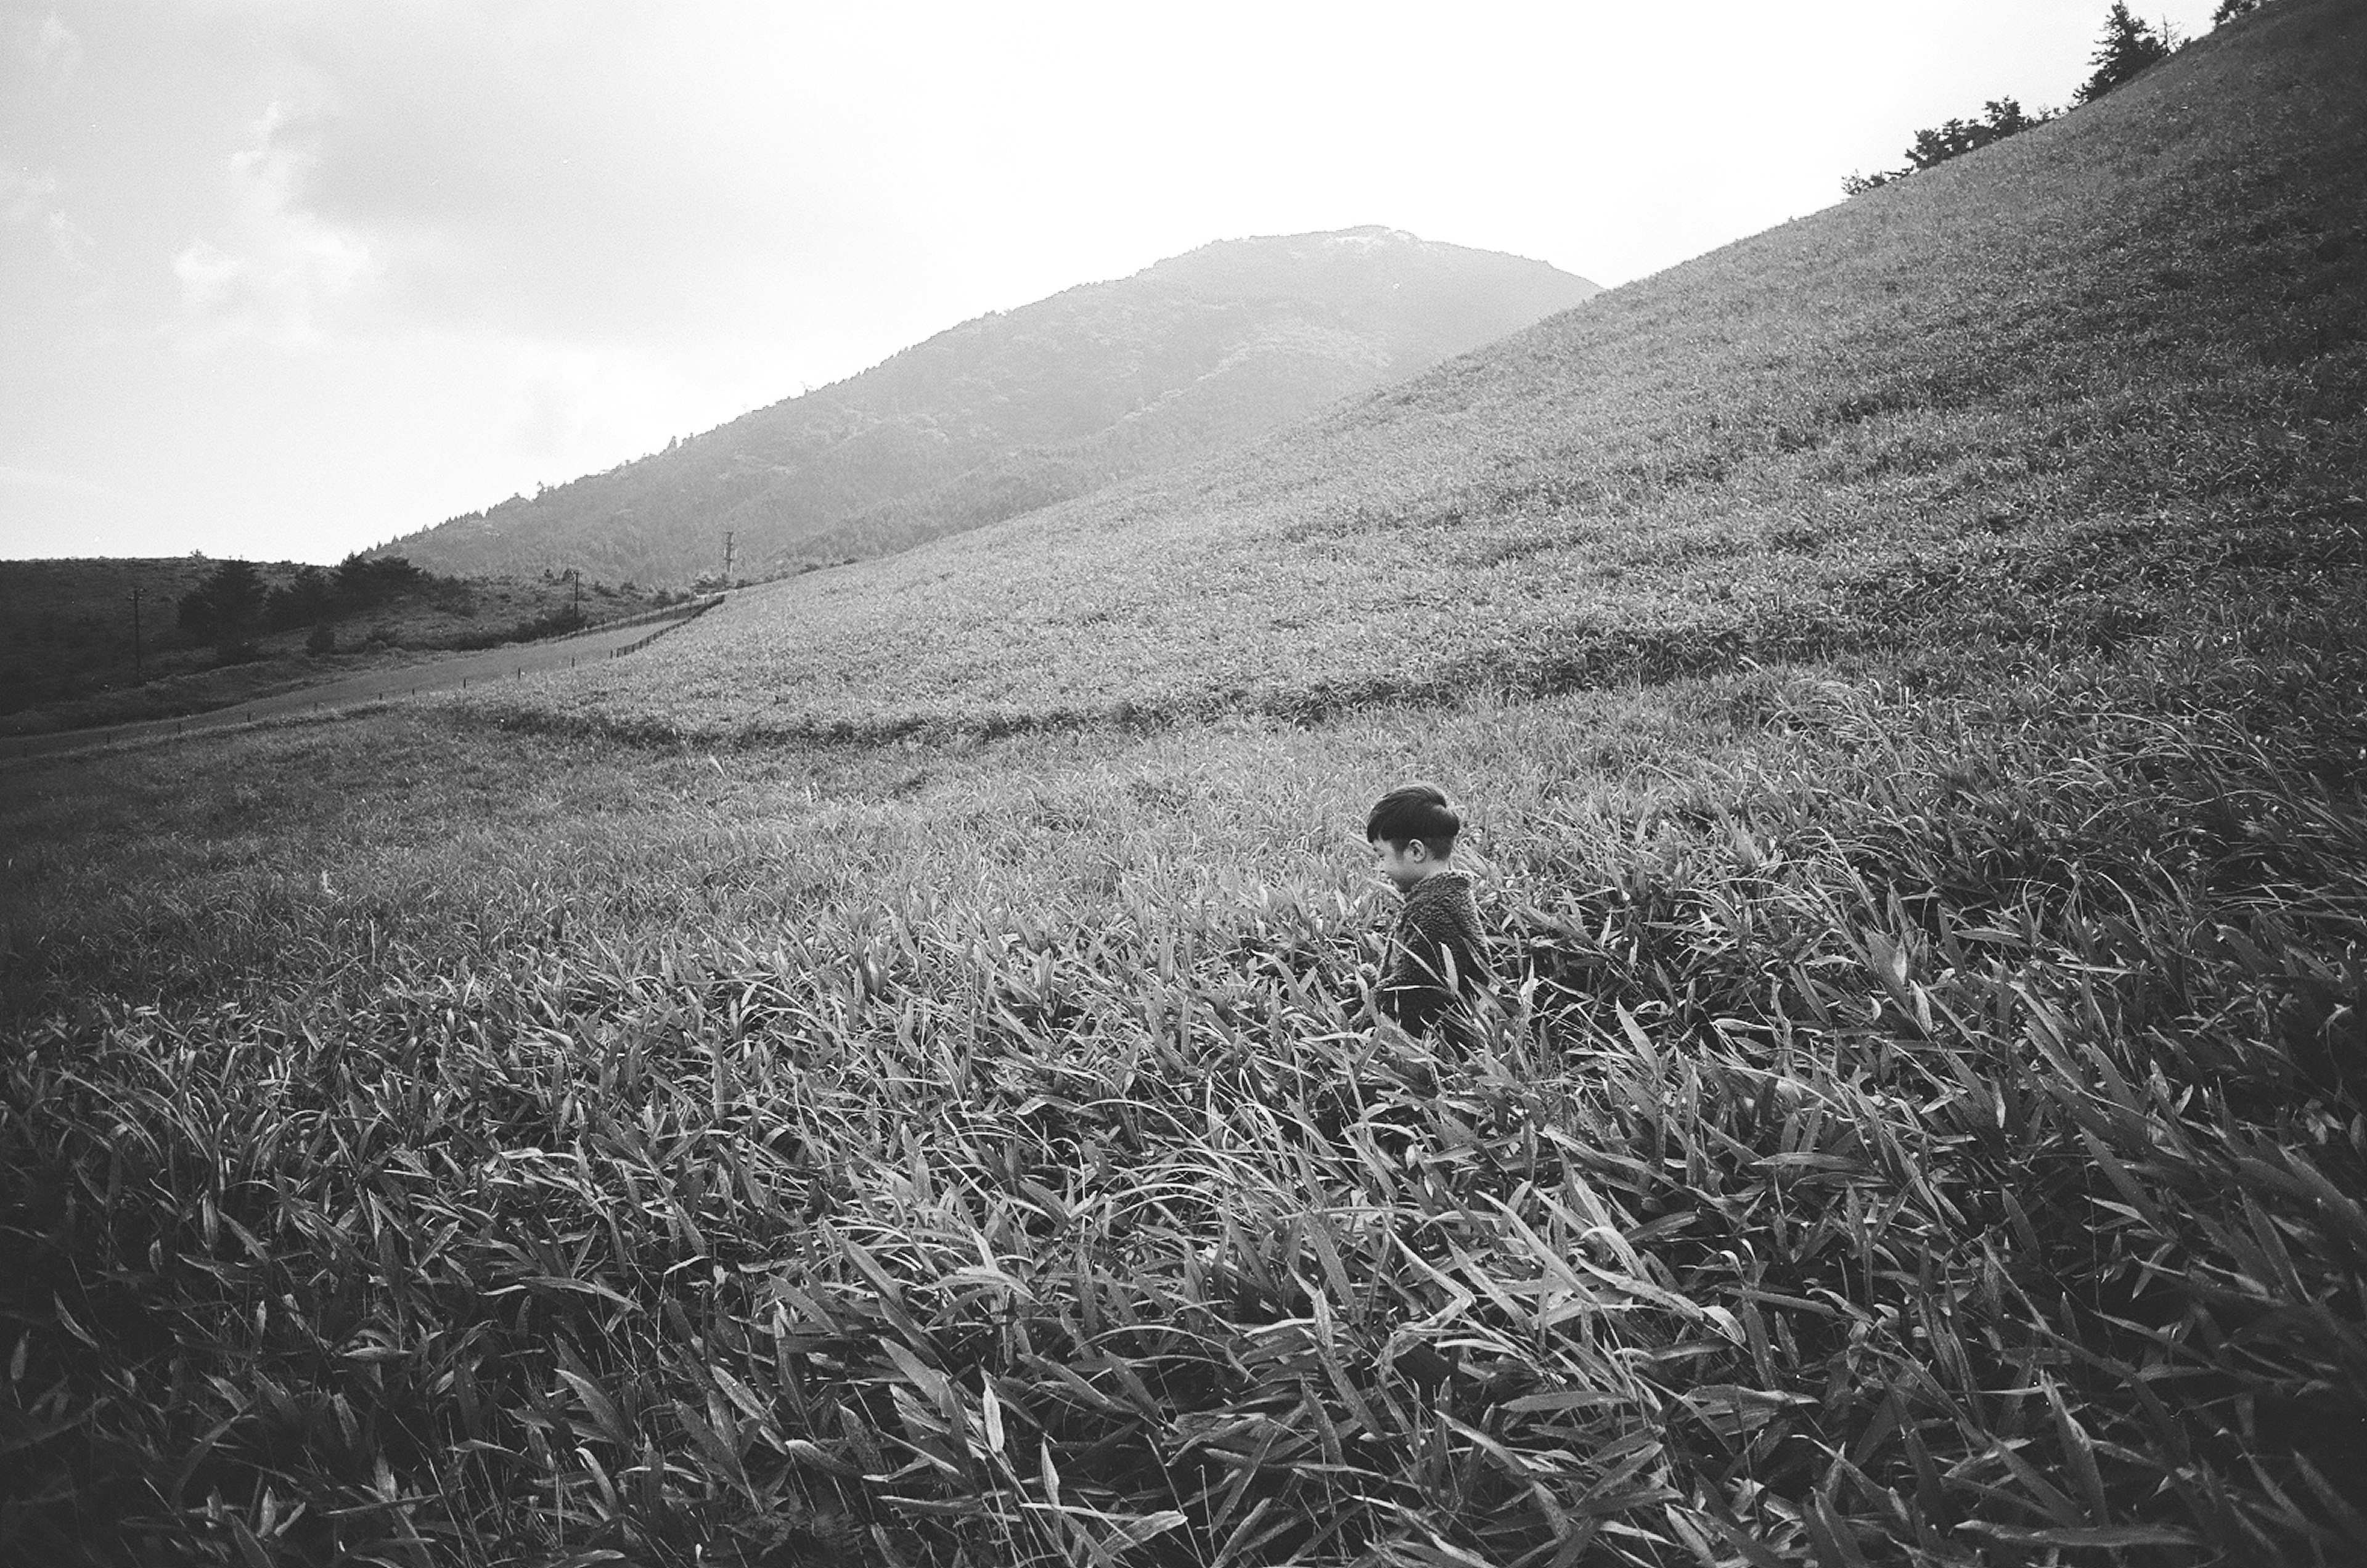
x=571 y=409
x=25 y=199
x=24 y=194
x=54 y=48
x=284 y=270
x=63 y=484
x=69 y=240
x=562 y=403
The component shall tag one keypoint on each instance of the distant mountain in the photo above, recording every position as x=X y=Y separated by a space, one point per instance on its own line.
x=1015 y=411
x=2104 y=378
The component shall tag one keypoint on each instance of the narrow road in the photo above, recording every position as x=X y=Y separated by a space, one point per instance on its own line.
x=460 y=670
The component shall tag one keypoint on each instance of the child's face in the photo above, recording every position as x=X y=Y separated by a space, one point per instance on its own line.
x=1403 y=866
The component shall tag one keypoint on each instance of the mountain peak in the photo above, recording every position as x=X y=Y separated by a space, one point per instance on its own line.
x=1188 y=357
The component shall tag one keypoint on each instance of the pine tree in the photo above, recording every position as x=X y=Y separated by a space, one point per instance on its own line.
x=2128 y=46
x=2230 y=9
x=2000 y=117
x=227 y=608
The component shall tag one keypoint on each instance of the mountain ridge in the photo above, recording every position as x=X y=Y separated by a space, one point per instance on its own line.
x=1015 y=409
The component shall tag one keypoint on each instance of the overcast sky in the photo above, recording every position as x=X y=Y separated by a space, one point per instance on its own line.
x=283 y=278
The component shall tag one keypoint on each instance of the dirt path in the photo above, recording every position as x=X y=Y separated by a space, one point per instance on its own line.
x=460 y=669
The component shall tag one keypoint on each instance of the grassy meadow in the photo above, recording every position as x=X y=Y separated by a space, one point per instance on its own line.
x=1931 y=1129
x=811 y=1094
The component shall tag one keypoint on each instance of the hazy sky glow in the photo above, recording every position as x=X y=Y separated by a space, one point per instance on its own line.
x=283 y=278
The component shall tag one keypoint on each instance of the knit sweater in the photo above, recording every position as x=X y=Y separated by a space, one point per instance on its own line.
x=1438 y=956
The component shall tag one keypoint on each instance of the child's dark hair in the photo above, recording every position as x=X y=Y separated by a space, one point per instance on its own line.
x=1414 y=811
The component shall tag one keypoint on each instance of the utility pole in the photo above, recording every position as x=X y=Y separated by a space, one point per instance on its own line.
x=575 y=575
x=136 y=676
x=727 y=558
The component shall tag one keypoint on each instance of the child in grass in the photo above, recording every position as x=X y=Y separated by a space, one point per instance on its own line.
x=1437 y=967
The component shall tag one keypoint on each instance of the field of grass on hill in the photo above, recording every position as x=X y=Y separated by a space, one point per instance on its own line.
x=1932 y=1129
x=2062 y=389
x=1927 y=1124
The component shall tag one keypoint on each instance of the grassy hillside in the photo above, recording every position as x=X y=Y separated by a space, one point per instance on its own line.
x=2061 y=390
x=66 y=653
x=1928 y=1127
x=1014 y=411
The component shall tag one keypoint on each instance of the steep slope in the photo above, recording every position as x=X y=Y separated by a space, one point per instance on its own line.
x=1014 y=411
x=2068 y=388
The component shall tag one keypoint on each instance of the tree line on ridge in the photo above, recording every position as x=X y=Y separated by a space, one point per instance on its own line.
x=2128 y=45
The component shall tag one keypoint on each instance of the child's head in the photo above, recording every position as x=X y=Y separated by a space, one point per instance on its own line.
x=1413 y=831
